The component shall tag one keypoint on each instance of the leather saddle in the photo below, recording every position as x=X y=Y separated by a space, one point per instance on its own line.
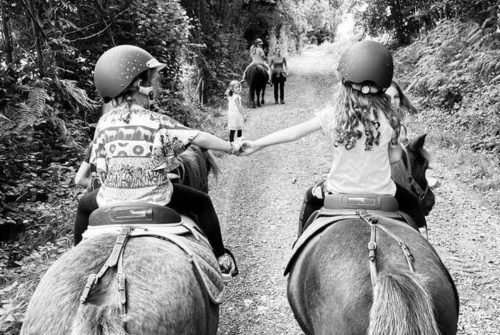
x=338 y=207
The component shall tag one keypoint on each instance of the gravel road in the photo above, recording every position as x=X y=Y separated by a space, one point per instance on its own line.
x=258 y=200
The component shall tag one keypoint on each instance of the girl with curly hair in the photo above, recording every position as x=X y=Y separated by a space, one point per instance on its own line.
x=362 y=127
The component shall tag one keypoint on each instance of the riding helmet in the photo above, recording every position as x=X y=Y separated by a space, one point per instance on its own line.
x=367 y=63
x=258 y=41
x=118 y=67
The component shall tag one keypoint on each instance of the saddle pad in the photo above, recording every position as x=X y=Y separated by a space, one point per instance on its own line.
x=205 y=264
x=325 y=218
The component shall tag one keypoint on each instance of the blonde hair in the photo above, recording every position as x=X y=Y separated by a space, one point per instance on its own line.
x=231 y=86
x=352 y=109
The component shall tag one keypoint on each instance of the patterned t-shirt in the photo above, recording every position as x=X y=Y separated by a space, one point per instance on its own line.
x=359 y=171
x=133 y=150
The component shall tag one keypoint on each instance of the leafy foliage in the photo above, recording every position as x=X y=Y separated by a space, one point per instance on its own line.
x=407 y=18
x=455 y=69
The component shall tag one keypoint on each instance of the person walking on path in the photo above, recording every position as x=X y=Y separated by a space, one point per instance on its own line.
x=279 y=70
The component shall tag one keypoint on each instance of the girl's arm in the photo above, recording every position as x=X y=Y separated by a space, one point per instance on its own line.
x=239 y=105
x=282 y=136
x=209 y=141
x=83 y=174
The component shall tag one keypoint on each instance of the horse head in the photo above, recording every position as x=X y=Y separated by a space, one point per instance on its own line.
x=416 y=160
x=196 y=164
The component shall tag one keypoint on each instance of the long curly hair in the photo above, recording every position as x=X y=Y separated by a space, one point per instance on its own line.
x=352 y=109
x=406 y=106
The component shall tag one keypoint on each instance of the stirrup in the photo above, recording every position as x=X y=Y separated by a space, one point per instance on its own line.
x=233 y=272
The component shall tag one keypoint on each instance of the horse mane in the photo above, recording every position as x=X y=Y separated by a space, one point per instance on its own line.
x=196 y=164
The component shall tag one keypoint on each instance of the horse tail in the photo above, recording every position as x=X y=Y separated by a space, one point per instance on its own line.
x=402 y=305
x=98 y=320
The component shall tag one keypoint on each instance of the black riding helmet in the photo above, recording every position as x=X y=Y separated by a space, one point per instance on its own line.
x=367 y=63
x=118 y=68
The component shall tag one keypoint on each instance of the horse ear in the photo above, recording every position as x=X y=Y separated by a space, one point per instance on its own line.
x=418 y=143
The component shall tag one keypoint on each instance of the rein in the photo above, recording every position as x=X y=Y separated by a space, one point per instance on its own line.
x=372 y=244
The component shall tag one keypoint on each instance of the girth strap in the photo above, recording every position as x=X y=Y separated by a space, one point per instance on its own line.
x=115 y=259
x=372 y=244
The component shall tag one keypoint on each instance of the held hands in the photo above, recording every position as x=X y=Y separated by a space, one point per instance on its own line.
x=243 y=147
x=247 y=147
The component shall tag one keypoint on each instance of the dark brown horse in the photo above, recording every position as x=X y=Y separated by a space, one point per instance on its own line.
x=335 y=286
x=164 y=293
x=257 y=79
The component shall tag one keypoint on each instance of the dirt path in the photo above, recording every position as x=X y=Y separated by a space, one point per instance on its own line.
x=258 y=200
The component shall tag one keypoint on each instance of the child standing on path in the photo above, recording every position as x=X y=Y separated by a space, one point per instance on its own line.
x=362 y=127
x=234 y=110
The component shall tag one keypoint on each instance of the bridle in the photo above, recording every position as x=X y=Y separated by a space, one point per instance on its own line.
x=419 y=191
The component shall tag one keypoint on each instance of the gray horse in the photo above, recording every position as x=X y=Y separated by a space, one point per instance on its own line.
x=164 y=292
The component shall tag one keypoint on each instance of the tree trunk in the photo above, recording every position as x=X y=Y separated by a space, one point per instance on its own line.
x=401 y=34
x=8 y=49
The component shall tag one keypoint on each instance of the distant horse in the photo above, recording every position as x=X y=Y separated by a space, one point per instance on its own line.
x=257 y=79
x=156 y=288
x=361 y=273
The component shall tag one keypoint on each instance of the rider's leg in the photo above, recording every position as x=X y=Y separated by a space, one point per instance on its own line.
x=409 y=204
x=245 y=72
x=231 y=135
x=186 y=199
x=86 y=206
x=239 y=133
x=310 y=204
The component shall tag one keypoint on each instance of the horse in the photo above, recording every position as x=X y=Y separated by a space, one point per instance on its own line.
x=257 y=78
x=156 y=287
x=362 y=273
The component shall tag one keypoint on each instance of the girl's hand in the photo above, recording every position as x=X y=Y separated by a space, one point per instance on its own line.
x=248 y=147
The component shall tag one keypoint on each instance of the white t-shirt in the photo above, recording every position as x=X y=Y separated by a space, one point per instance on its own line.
x=359 y=171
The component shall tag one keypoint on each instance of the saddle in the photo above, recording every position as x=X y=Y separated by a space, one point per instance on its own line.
x=338 y=207
x=139 y=219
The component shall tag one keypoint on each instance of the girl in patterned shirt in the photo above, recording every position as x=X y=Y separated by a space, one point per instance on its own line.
x=134 y=148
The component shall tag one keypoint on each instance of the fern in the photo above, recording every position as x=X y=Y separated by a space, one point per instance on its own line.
x=78 y=95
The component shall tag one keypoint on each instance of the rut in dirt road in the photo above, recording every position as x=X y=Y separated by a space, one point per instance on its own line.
x=258 y=200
